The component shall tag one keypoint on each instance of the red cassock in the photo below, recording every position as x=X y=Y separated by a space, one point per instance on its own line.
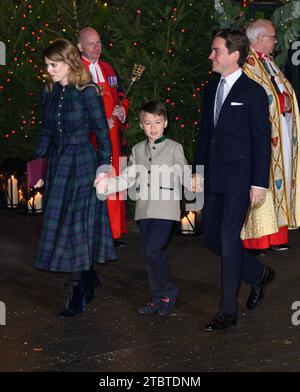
x=112 y=94
x=267 y=241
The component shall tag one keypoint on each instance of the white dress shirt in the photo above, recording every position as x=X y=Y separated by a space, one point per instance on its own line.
x=229 y=82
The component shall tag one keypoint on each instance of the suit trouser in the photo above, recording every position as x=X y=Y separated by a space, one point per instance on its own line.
x=223 y=218
x=155 y=235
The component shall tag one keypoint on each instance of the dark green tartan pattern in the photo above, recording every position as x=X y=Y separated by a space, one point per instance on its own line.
x=76 y=230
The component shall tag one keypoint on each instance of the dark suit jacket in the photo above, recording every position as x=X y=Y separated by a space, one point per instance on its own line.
x=236 y=153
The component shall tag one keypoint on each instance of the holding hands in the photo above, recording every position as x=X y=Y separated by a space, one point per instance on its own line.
x=197 y=182
x=101 y=186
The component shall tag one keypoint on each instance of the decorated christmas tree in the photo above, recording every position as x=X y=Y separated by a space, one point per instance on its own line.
x=22 y=29
x=26 y=27
x=170 y=38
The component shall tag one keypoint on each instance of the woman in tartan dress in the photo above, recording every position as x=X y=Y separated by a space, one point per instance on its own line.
x=76 y=231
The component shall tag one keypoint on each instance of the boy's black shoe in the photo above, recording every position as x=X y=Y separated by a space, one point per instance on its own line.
x=150 y=308
x=166 y=306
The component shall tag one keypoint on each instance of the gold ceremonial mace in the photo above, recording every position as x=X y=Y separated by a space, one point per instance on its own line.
x=136 y=74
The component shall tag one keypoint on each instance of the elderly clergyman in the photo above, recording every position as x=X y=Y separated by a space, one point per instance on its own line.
x=267 y=226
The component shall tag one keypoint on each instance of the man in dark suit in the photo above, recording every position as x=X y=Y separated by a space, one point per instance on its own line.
x=234 y=146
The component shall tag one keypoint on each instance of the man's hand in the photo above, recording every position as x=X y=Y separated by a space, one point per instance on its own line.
x=257 y=196
x=119 y=112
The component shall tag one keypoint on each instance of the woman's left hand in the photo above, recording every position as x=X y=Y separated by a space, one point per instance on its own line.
x=100 y=178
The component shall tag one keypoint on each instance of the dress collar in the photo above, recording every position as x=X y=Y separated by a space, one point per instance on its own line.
x=157 y=141
x=161 y=139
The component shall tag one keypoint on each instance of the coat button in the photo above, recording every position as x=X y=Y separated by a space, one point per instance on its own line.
x=154 y=148
x=150 y=159
x=149 y=171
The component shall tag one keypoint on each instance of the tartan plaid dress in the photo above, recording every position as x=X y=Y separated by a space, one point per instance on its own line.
x=76 y=230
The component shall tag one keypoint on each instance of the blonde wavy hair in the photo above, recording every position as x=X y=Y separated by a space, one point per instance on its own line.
x=62 y=50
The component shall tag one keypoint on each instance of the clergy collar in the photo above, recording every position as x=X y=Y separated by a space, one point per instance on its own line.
x=261 y=55
x=88 y=61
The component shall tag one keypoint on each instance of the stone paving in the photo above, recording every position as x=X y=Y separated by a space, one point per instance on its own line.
x=111 y=337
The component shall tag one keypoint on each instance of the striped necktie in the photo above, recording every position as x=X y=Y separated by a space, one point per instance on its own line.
x=219 y=100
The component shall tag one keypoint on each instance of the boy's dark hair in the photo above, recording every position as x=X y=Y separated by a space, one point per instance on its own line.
x=235 y=40
x=154 y=107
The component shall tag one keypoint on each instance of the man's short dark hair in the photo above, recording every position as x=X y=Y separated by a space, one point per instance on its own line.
x=154 y=107
x=235 y=40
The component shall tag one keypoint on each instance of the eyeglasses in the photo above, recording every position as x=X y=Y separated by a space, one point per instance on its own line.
x=270 y=36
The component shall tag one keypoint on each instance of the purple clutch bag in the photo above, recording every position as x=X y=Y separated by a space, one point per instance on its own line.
x=36 y=170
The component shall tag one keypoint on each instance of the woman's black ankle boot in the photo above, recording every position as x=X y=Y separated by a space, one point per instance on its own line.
x=74 y=299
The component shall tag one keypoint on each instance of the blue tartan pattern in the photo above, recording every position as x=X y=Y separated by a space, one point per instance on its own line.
x=76 y=230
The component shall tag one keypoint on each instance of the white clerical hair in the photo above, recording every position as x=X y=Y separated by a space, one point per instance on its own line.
x=257 y=28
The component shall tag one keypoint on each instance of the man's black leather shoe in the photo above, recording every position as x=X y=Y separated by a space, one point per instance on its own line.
x=258 y=290
x=221 y=321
